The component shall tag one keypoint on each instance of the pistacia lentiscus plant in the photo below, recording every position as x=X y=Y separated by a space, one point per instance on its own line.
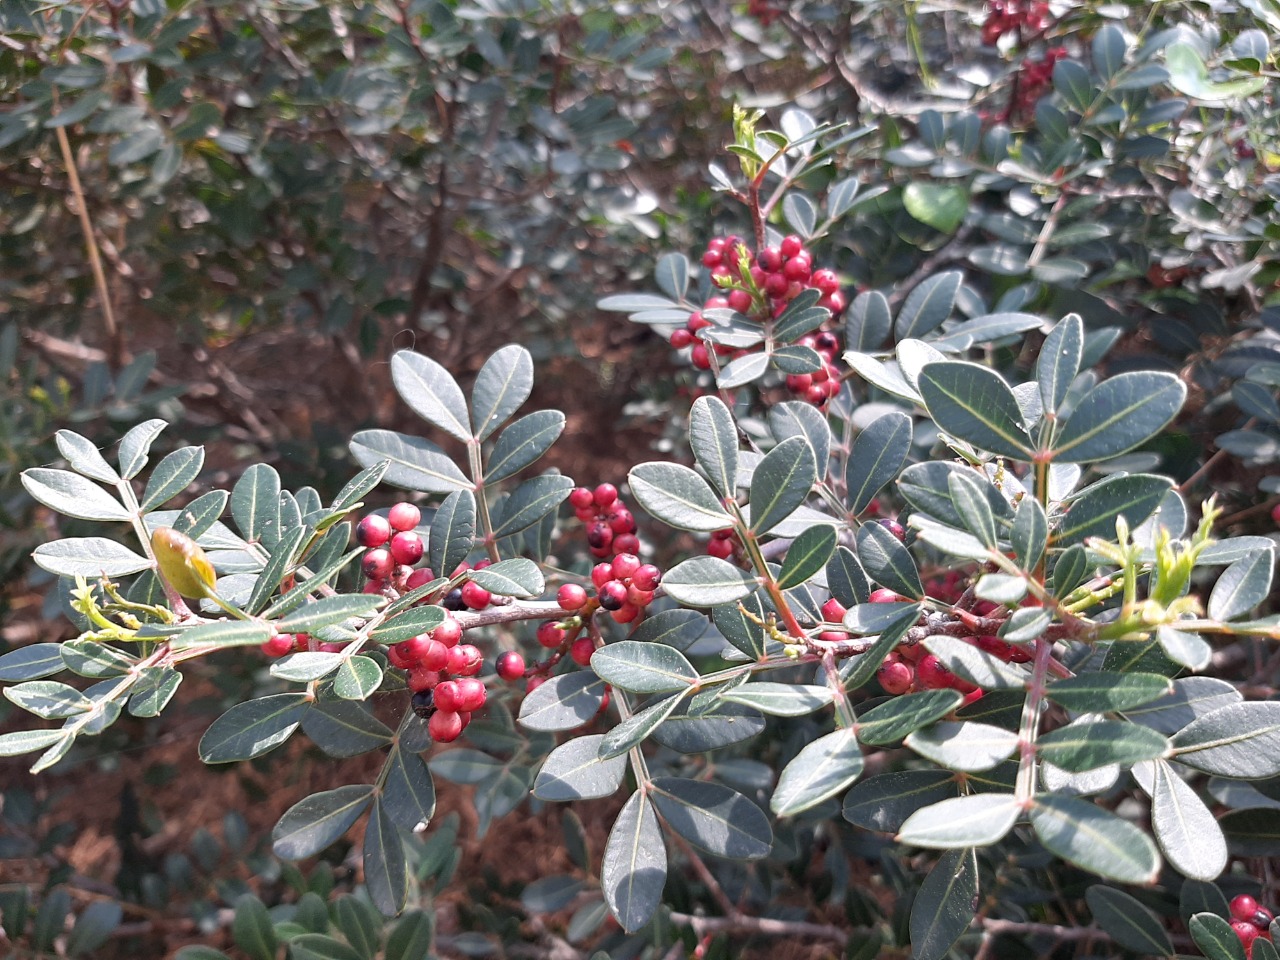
x=941 y=623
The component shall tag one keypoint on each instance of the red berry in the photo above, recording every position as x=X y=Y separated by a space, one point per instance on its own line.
x=571 y=597
x=638 y=598
x=622 y=521
x=1243 y=908
x=533 y=683
x=550 y=635
x=825 y=280
x=278 y=645
x=646 y=577
x=626 y=543
x=373 y=531
x=404 y=516
x=1247 y=933
x=697 y=321
x=581 y=498
x=605 y=494
x=599 y=535
x=421 y=679
x=447 y=695
x=374 y=586
x=625 y=613
x=397 y=659
x=510 y=666
x=1275 y=513
x=601 y=574
x=796 y=270
x=833 y=611
x=932 y=674
x=712 y=258
x=740 y=301
x=415 y=648
x=895 y=676
x=720 y=548
x=406 y=548
x=377 y=564
x=435 y=656
x=894 y=527
x=475 y=596
x=445 y=726
x=470 y=694
x=681 y=338
x=420 y=578
x=769 y=259
x=465 y=660
x=448 y=633
x=791 y=246
x=613 y=595
x=799 y=383
x=699 y=357
x=581 y=650
x=624 y=565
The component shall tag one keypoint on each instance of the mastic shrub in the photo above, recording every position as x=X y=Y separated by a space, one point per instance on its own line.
x=943 y=625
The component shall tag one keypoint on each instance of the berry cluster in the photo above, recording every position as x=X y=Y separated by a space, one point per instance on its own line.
x=1250 y=921
x=760 y=286
x=1015 y=16
x=285 y=643
x=910 y=667
x=611 y=528
x=442 y=673
x=1034 y=78
x=623 y=588
x=393 y=548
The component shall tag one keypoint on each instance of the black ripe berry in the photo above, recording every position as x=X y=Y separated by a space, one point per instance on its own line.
x=423 y=705
x=453 y=600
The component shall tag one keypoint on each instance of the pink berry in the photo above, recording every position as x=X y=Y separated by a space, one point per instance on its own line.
x=605 y=494
x=404 y=516
x=791 y=246
x=377 y=564
x=445 y=726
x=420 y=578
x=420 y=678
x=646 y=577
x=278 y=645
x=613 y=595
x=883 y=596
x=550 y=635
x=571 y=597
x=475 y=596
x=639 y=598
x=895 y=676
x=581 y=650
x=447 y=695
x=464 y=660
x=626 y=543
x=1247 y=933
x=470 y=694
x=580 y=498
x=373 y=531
x=1243 y=908
x=510 y=666
x=624 y=565
x=625 y=613
x=739 y=300
x=406 y=548
x=448 y=633
x=833 y=611
x=601 y=574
